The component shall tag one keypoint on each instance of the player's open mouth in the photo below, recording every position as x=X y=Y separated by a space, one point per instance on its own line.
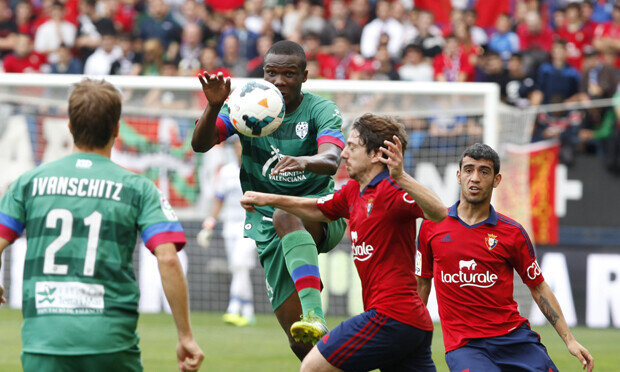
x=474 y=189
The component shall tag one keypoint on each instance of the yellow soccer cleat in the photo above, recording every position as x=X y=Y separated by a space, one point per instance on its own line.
x=231 y=318
x=309 y=329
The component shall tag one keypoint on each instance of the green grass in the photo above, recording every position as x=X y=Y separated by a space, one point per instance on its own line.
x=263 y=347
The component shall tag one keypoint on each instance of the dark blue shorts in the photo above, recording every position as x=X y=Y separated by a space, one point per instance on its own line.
x=372 y=340
x=519 y=350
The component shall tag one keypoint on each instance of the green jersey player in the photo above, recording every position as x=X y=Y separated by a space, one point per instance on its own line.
x=81 y=215
x=297 y=159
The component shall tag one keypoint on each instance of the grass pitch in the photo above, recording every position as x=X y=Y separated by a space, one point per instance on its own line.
x=263 y=346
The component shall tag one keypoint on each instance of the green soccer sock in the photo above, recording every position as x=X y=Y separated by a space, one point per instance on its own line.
x=302 y=262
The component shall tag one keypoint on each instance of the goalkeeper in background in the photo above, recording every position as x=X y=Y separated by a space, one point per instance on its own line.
x=82 y=213
x=297 y=159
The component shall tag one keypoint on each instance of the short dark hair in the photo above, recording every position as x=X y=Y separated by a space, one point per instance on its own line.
x=94 y=112
x=288 y=48
x=375 y=129
x=481 y=151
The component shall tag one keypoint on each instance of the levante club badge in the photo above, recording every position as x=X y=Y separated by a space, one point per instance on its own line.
x=490 y=241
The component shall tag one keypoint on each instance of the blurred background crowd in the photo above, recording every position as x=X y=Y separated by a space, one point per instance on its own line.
x=538 y=51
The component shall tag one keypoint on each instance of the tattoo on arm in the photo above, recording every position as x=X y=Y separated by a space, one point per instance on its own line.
x=548 y=311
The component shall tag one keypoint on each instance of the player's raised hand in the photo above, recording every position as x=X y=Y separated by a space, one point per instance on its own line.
x=252 y=198
x=584 y=356
x=189 y=355
x=394 y=160
x=216 y=88
x=290 y=164
x=2 y=299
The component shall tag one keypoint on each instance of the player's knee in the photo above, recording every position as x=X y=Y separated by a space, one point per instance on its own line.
x=285 y=223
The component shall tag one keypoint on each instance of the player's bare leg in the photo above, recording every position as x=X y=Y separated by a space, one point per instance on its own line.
x=287 y=314
x=316 y=362
x=299 y=243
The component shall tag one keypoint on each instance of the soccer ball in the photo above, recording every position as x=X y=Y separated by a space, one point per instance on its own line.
x=256 y=108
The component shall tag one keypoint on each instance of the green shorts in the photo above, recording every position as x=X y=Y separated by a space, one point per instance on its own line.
x=277 y=278
x=122 y=361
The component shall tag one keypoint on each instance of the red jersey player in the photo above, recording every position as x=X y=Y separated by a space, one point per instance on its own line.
x=382 y=204
x=472 y=254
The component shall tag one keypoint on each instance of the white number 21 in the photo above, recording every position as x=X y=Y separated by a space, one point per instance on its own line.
x=66 y=226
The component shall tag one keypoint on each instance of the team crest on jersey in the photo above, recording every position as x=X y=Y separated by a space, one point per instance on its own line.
x=490 y=241
x=369 y=207
x=302 y=129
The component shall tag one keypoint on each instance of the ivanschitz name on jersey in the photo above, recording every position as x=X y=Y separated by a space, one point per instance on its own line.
x=73 y=186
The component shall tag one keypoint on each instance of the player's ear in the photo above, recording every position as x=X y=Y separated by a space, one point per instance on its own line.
x=70 y=128
x=458 y=176
x=497 y=180
x=117 y=129
x=304 y=76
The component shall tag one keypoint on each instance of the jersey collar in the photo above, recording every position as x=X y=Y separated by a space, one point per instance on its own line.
x=491 y=220
x=378 y=178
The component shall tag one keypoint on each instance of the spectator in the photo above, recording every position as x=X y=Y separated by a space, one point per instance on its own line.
x=607 y=35
x=343 y=52
x=67 y=64
x=8 y=29
x=305 y=17
x=231 y=59
x=360 y=12
x=90 y=29
x=24 y=18
x=520 y=90
x=272 y=24
x=54 y=32
x=602 y=10
x=152 y=57
x=340 y=23
x=414 y=67
x=504 y=41
x=577 y=36
x=101 y=61
x=123 y=13
x=157 y=23
x=494 y=72
x=535 y=39
x=127 y=64
x=557 y=78
x=452 y=64
x=562 y=125
x=327 y=63
x=471 y=50
x=429 y=36
x=383 y=65
x=166 y=99
x=607 y=136
x=383 y=24
x=246 y=39
x=478 y=35
x=253 y=20
x=24 y=59
x=211 y=63
x=190 y=48
x=255 y=66
x=559 y=18
x=599 y=78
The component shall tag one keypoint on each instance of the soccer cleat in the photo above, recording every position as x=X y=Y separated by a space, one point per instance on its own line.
x=309 y=329
x=231 y=318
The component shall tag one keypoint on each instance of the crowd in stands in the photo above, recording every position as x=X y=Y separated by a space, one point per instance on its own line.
x=538 y=51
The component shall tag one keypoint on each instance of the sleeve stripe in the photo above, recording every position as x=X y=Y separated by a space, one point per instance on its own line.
x=8 y=233
x=220 y=196
x=225 y=127
x=329 y=139
x=528 y=242
x=336 y=137
x=176 y=237
x=159 y=228
x=11 y=223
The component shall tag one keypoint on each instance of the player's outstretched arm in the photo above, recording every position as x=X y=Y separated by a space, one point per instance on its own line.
x=3 y=244
x=189 y=354
x=431 y=205
x=549 y=306
x=304 y=208
x=325 y=161
x=216 y=89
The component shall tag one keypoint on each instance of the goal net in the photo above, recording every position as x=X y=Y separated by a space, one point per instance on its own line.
x=158 y=117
